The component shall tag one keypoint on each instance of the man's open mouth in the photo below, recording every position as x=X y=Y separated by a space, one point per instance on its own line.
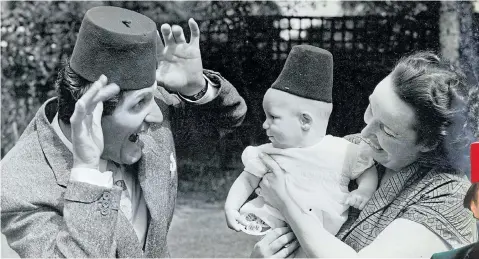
x=133 y=138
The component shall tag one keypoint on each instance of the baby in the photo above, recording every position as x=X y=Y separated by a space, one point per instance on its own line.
x=318 y=167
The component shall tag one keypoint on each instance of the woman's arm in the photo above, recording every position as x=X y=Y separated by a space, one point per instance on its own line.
x=402 y=238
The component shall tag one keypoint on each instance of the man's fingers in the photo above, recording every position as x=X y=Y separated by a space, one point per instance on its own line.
x=78 y=114
x=87 y=100
x=167 y=35
x=106 y=93
x=195 y=31
x=283 y=240
x=288 y=250
x=97 y=112
x=160 y=46
x=178 y=34
x=96 y=126
x=271 y=164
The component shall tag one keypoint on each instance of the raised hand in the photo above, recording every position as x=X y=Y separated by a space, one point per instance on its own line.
x=87 y=134
x=180 y=67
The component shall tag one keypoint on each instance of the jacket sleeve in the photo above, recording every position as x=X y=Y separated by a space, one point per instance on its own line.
x=212 y=120
x=85 y=227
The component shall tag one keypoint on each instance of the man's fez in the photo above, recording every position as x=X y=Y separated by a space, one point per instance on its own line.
x=119 y=43
x=308 y=73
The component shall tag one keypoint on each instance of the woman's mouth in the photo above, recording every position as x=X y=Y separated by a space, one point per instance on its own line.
x=371 y=144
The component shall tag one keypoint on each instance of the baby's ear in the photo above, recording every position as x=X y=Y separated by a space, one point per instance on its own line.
x=306 y=120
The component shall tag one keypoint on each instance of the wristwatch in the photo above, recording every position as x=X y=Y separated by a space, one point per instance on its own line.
x=198 y=95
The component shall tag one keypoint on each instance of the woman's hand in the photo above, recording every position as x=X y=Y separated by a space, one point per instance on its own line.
x=279 y=242
x=273 y=185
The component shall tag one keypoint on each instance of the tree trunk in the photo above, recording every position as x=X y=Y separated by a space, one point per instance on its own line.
x=449 y=31
x=468 y=47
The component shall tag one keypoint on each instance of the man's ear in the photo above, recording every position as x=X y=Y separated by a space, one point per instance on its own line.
x=306 y=120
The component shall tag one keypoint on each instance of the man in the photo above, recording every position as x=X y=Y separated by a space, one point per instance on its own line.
x=471 y=202
x=94 y=173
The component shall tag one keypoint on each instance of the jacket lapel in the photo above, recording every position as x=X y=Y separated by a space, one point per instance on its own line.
x=56 y=153
x=155 y=180
x=128 y=245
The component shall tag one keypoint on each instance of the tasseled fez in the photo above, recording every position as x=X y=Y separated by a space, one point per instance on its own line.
x=308 y=73
x=119 y=43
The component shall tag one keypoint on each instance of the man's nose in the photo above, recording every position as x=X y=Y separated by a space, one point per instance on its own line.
x=155 y=115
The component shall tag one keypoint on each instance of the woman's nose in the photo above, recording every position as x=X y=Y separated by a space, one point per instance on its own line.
x=155 y=115
x=368 y=130
x=265 y=124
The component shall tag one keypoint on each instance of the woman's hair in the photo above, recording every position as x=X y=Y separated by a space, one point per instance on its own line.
x=446 y=106
x=70 y=87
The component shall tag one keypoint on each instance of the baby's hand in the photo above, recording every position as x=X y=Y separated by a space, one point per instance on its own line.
x=234 y=220
x=358 y=199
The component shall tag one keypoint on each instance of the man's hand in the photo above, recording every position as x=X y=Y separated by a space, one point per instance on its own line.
x=180 y=67
x=87 y=134
x=358 y=199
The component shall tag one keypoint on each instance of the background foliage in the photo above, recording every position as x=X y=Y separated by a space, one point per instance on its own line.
x=37 y=36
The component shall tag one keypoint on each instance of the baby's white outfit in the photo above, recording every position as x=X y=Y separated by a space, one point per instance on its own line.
x=317 y=179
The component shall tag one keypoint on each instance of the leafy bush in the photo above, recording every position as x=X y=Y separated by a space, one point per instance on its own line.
x=36 y=36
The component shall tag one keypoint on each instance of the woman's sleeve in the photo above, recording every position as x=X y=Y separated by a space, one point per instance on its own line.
x=441 y=210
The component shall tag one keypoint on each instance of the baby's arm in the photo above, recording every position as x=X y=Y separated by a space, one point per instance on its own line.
x=361 y=168
x=367 y=184
x=242 y=188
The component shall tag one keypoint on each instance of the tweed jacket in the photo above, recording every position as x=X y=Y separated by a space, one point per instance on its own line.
x=46 y=215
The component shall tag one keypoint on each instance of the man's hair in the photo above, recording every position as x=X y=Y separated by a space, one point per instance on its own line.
x=70 y=87
x=471 y=195
x=432 y=87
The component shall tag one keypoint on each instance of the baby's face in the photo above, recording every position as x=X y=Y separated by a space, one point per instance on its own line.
x=282 y=124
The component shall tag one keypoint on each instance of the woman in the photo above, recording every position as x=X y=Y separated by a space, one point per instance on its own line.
x=412 y=125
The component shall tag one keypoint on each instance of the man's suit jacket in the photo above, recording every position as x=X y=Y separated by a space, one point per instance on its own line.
x=45 y=215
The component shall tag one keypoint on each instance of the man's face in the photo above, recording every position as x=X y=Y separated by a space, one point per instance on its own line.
x=135 y=111
x=282 y=124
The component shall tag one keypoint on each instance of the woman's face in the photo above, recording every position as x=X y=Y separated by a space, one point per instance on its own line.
x=389 y=130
